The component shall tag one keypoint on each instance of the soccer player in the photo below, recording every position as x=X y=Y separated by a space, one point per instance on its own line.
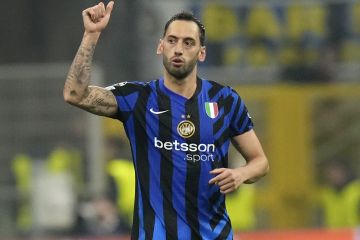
x=179 y=127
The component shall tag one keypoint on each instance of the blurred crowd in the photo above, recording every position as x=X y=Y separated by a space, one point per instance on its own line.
x=305 y=40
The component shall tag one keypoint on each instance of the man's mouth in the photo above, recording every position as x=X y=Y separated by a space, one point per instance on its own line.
x=177 y=62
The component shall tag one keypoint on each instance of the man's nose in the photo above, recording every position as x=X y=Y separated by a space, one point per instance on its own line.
x=179 y=50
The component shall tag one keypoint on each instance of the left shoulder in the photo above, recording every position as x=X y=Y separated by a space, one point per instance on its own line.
x=215 y=88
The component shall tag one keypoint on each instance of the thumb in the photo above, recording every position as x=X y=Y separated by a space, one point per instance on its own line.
x=217 y=170
x=109 y=7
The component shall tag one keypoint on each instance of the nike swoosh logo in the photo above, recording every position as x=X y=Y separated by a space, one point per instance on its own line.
x=157 y=112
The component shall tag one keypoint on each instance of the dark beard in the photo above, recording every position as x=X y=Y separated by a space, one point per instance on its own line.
x=179 y=73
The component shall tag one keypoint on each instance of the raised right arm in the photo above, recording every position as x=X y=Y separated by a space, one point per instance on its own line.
x=77 y=91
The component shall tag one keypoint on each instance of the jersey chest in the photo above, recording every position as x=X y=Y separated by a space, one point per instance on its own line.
x=195 y=120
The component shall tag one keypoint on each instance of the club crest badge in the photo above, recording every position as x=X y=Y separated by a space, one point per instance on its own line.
x=186 y=128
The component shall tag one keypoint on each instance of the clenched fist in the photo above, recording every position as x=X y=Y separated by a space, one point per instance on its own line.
x=97 y=17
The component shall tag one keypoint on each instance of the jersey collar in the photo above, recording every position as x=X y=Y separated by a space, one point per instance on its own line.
x=171 y=93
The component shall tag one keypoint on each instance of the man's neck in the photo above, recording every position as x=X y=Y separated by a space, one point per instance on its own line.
x=185 y=87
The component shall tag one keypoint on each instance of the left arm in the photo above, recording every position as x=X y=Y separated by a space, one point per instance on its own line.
x=256 y=165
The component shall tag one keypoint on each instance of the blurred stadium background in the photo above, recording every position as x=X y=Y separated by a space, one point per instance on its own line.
x=296 y=64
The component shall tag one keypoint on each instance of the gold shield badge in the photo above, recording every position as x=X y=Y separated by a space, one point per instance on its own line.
x=186 y=128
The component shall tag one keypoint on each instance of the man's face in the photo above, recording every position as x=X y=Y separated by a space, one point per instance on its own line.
x=181 y=48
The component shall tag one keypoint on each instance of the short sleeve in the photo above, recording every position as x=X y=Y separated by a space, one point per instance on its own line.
x=126 y=95
x=241 y=120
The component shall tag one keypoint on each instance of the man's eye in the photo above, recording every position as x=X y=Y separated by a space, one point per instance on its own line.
x=171 y=40
x=189 y=43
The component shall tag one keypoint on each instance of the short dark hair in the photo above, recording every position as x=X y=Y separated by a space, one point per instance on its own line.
x=187 y=16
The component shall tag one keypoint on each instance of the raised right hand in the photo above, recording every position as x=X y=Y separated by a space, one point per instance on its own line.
x=97 y=17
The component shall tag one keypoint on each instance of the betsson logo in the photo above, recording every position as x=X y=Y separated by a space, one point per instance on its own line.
x=205 y=150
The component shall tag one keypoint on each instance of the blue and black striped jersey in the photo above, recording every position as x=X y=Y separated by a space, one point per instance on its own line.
x=175 y=142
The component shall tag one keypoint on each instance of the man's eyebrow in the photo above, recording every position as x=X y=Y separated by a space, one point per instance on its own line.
x=185 y=38
x=189 y=38
x=172 y=36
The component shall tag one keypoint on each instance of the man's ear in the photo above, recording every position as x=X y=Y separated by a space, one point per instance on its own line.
x=202 y=54
x=160 y=47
